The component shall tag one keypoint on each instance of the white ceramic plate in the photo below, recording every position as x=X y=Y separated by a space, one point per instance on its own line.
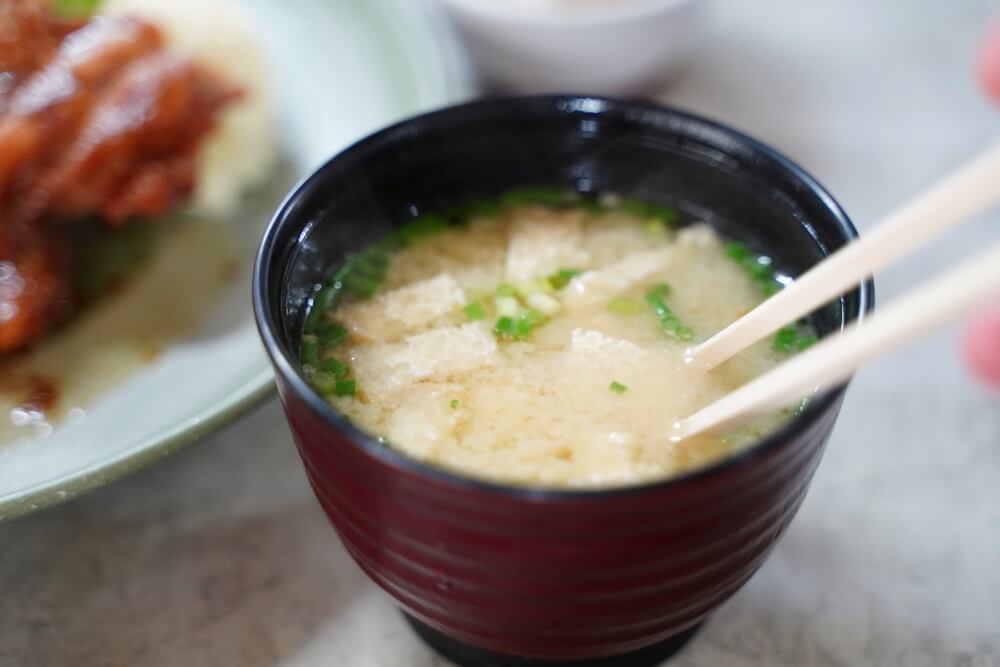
x=340 y=69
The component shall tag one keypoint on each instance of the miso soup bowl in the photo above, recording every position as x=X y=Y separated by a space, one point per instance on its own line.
x=498 y=574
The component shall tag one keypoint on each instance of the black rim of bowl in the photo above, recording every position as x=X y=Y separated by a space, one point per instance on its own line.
x=268 y=323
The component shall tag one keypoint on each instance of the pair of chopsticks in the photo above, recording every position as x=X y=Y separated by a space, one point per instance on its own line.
x=972 y=189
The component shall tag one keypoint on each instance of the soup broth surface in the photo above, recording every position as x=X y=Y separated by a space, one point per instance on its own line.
x=542 y=345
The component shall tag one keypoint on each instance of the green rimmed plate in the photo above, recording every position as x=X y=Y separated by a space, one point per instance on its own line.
x=175 y=353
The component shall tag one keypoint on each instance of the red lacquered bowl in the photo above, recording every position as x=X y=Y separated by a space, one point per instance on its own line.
x=494 y=574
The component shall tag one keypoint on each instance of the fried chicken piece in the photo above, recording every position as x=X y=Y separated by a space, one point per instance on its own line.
x=34 y=284
x=54 y=105
x=136 y=154
x=29 y=36
x=96 y=119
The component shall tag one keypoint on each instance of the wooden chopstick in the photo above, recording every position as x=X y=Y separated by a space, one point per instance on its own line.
x=970 y=190
x=835 y=358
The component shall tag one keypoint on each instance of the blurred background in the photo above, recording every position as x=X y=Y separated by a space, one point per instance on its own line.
x=220 y=556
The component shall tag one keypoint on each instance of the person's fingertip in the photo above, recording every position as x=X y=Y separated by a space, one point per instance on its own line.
x=988 y=62
x=981 y=346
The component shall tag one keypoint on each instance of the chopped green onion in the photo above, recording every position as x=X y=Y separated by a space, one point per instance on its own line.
x=526 y=322
x=654 y=227
x=361 y=286
x=792 y=339
x=338 y=277
x=647 y=211
x=561 y=278
x=362 y=274
x=334 y=366
x=322 y=303
x=801 y=407
x=374 y=258
x=738 y=252
x=330 y=333
x=670 y=324
x=758 y=266
x=618 y=387
x=622 y=306
x=532 y=316
x=309 y=349
x=506 y=289
x=454 y=404
x=504 y=327
x=518 y=327
x=760 y=269
x=330 y=377
x=419 y=228
x=806 y=341
x=662 y=290
x=345 y=388
x=475 y=311
x=325 y=383
x=772 y=287
x=371 y=262
x=784 y=340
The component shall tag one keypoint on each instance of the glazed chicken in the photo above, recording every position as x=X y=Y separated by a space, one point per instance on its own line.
x=96 y=119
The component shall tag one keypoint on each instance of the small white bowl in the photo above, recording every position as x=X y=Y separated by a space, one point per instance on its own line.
x=615 y=47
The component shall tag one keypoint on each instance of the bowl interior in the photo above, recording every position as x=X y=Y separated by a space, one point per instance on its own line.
x=436 y=161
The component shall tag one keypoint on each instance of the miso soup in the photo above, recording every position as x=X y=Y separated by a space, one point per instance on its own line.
x=541 y=340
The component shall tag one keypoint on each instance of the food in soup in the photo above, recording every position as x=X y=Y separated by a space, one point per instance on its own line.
x=542 y=340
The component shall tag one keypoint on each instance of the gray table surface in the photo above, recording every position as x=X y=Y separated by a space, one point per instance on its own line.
x=219 y=555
